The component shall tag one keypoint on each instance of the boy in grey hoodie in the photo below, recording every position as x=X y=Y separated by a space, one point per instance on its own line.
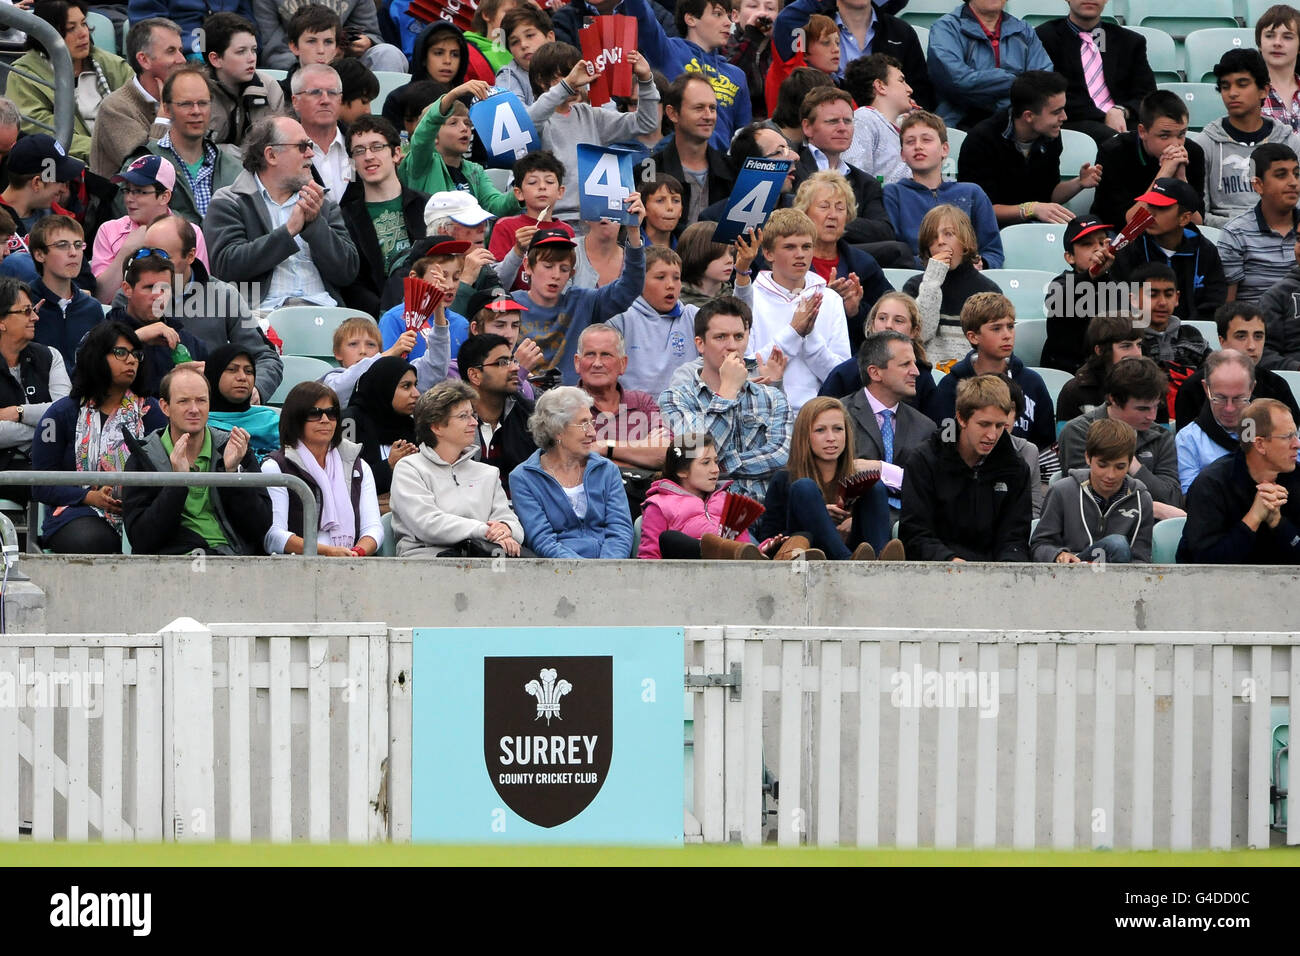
x=1242 y=79
x=1098 y=513
x=658 y=330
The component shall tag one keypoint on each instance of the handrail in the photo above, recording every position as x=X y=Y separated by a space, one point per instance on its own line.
x=173 y=479
x=60 y=60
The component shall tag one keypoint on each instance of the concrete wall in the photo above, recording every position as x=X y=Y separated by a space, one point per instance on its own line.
x=145 y=593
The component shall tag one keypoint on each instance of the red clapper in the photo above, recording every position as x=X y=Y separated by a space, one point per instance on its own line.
x=738 y=513
x=1141 y=220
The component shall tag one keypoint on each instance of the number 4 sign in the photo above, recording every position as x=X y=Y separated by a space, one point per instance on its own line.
x=604 y=180
x=757 y=188
x=503 y=127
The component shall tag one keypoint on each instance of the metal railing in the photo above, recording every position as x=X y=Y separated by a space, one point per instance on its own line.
x=49 y=38
x=173 y=479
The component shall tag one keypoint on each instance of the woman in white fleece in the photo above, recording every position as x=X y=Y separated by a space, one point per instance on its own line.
x=444 y=502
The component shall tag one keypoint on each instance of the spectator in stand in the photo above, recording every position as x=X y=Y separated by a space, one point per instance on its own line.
x=1242 y=79
x=877 y=85
x=974 y=55
x=146 y=287
x=1280 y=307
x=523 y=31
x=504 y=439
x=317 y=100
x=1015 y=154
x=445 y=502
x=232 y=378
x=950 y=251
x=379 y=417
x=966 y=496
x=1229 y=383
x=1135 y=391
x=1105 y=66
x=702 y=169
x=30 y=194
x=358 y=345
x=569 y=17
x=1157 y=149
x=924 y=139
x=440 y=269
x=1240 y=511
x=501 y=315
x=204 y=520
x=600 y=257
x=1075 y=297
x=1277 y=36
x=657 y=328
x=663 y=197
x=67 y=312
x=356 y=23
x=1099 y=513
x=1241 y=327
x=126 y=118
x=761 y=140
x=707 y=266
x=360 y=88
x=240 y=94
x=95 y=74
x=569 y=497
x=893 y=312
x=539 y=186
x=1109 y=339
x=629 y=427
x=86 y=432
x=1178 y=348
x=1256 y=246
x=794 y=89
x=750 y=47
x=312 y=447
x=485 y=33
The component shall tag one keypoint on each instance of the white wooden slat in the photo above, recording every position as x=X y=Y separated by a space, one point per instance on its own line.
x=358 y=737
x=9 y=750
x=791 y=818
x=945 y=762
x=1024 y=789
x=1063 y=751
x=1103 y=748
x=828 y=742
x=318 y=740
x=43 y=752
x=710 y=740
x=868 y=743
x=1180 y=784
x=1259 y=750
x=733 y=770
x=909 y=746
x=238 y=653
x=110 y=754
x=986 y=760
x=1144 y=730
x=1292 y=781
x=377 y=747
x=78 y=742
x=401 y=726
x=752 y=833
x=280 y=729
x=1221 y=748
x=148 y=756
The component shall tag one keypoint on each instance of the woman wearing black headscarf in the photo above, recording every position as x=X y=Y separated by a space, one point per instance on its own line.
x=379 y=419
x=231 y=376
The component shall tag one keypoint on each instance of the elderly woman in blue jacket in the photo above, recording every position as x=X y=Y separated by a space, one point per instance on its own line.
x=568 y=496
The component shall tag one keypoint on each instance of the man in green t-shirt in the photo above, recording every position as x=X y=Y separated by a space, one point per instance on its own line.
x=383 y=217
x=179 y=520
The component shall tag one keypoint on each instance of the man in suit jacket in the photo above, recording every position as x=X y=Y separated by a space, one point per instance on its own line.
x=1126 y=75
x=888 y=364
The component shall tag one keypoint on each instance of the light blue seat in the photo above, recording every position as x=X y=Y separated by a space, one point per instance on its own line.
x=897 y=277
x=1031 y=336
x=102 y=33
x=1182 y=18
x=1161 y=54
x=1024 y=287
x=388 y=81
x=923 y=35
x=1292 y=379
x=1212 y=233
x=1081 y=202
x=1054 y=379
x=502 y=179
x=309 y=329
x=276 y=75
x=1204 y=48
x=1164 y=540
x=389 y=548
x=636 y=536
x=1038 y=12
x=1209 y=331
x=1035 y=245
x=955 y=138
x=298 y=368
x=1204 y=104
x=923 y=13
x=1076 y=149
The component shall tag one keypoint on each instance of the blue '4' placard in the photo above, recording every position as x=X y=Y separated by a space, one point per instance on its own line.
x=754 y=197
x=504 y=129
x=605 y=178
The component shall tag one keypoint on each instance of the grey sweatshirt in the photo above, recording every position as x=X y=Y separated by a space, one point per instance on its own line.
x=1072 y=520
x=1228 y=192
x=1156 y=453
x=876 y=146
x=657 y=344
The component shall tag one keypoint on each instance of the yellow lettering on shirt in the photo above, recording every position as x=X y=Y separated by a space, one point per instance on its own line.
x=723 y=88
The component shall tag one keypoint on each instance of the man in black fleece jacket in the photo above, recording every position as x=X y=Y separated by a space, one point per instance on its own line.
x=968 y=498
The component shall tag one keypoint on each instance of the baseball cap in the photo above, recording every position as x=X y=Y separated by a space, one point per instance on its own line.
x=551 y=237
x=149 y=171
x=1167 y=191
x=445 y=246
x=1081 y=226
x=494 y=299
x=458 y=206
x=31 y=154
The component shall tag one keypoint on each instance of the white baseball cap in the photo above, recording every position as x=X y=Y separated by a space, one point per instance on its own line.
x=458 y=206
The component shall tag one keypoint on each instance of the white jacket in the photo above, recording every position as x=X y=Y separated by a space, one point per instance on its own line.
x=437 y=505
x=809 y=358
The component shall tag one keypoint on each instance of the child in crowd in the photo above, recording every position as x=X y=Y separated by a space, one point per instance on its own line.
x=1178 y=348
x=663 y=197
x=523 y=31
x=441 y=267
x=357 y=344
x=360 y=89
x=1075 y=296
x=495 y=313
x=1109 y=339
x=658 y=329
x=877 y=85
x=707 y=266
x=539 y=185
x=240 y=95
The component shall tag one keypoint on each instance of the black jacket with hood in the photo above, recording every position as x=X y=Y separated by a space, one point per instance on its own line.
x=365 y=291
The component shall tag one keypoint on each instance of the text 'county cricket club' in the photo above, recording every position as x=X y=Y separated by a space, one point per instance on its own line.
x=548 y=733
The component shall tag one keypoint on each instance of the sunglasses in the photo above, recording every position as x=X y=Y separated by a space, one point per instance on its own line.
x=146 y=252
x=120 y=352
x=318 y=414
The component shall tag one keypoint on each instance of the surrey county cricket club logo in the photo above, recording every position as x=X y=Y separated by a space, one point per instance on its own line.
x=548 y=733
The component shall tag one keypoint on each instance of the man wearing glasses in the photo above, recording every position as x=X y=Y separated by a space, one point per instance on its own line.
x=274 y=226
x=317 y=100
x=759 y=140
x=1240 y=509
x=486 y=362
x=1229 y=384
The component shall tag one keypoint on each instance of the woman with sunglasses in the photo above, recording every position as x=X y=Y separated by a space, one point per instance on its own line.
x=232 y=375
x=314 y=449
x=380 y=419
x=86 y=431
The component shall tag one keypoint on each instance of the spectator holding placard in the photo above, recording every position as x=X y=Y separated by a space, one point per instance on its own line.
x=539 y=185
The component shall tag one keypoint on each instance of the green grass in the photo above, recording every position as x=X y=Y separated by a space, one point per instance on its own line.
x=224 y=854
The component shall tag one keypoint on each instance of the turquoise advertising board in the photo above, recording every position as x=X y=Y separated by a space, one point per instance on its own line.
x=548 y=735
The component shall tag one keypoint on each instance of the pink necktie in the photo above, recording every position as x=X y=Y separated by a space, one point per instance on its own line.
x=1092 y=74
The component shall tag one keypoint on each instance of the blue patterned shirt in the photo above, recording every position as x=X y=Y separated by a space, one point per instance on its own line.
x=200 y=186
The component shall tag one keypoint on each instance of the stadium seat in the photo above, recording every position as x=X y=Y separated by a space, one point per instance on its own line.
x=1212 y=233
x=1161 y=54
x=1182 y=18
x=308 y=329
x=298 y=368
x=922 y=13
x=1292 y=379
x=1054 y=379
x=388 y=81
x=1204 y=105
x=1205 y=47
x=1164 y=540
x=1034 y=245
x=896 y=277
x=1251 y=10
x=1038 y=12
x=636 y=536
x=955 y=138
x=1031 y=336
x=1024 y=287
x=276 y=75
x=500 y=178
x=923 y=35
x=1076 y=149
x=1209 y=331
x=1081 y=203
x=102 y=32
x=389 y=548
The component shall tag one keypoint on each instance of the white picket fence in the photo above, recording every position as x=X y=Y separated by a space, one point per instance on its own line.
x=1127 y=739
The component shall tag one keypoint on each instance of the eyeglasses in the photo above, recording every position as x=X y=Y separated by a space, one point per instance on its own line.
x=63 y=245
x=1234 y=401
x=503 y=362
x=318 y=93
x=191 y=104
x=356 y=152
x=31 y=309
x=142 y=191
x=306 y=147
x=586 y=425
x=146 y=252
x=1288 y=437
x=463 y=417
x=121 y=352
x=318 y=414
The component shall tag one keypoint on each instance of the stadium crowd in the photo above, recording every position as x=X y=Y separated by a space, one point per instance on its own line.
x=606 y=388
